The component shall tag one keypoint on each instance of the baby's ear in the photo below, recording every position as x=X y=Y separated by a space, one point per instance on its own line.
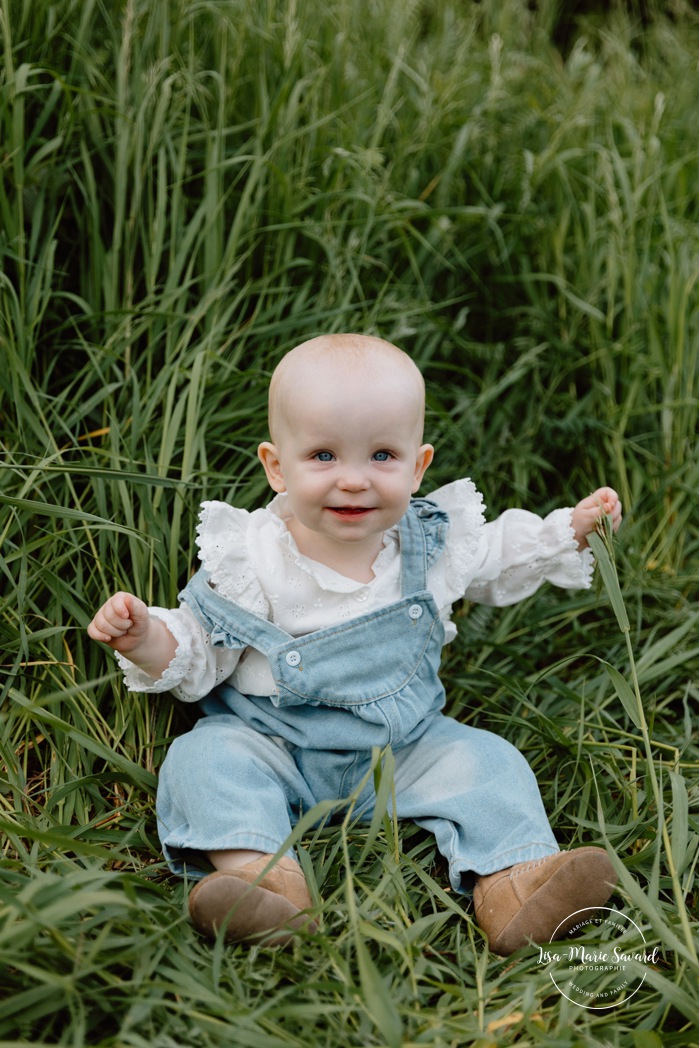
x=425 y=455
x=269 y=457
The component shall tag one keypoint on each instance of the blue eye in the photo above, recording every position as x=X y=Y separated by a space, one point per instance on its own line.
x=324 y=456
x=382 y=456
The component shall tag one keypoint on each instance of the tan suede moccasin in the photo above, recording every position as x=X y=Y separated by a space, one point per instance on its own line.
x=268 y=910
x=532 y=900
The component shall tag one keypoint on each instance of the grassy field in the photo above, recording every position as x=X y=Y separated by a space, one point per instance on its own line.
x=510 y=191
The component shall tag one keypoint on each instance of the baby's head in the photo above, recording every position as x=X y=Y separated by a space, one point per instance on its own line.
x=343 y=370
x=346 y=415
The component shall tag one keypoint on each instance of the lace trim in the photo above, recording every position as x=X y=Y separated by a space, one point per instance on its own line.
x=175 y=672
x=328 y=580
x=580 y=564
x=224 y=550
x=587 y=567
x=231 y=543
x=464 y=504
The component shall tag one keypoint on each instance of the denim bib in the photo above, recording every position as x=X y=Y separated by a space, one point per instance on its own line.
x=375 y=677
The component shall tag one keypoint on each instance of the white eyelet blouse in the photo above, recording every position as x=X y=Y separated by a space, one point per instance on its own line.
x=252 y=559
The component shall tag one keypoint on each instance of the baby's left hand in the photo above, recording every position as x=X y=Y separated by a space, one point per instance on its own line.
x=589 y=511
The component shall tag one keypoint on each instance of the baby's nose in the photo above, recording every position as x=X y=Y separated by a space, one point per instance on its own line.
x=353 y=480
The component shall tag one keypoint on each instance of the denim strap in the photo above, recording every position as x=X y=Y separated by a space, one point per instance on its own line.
x=422 y=532
x=228 y=622
x=413 y=553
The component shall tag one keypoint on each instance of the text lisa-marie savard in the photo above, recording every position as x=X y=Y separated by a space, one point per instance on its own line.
x=582 y=955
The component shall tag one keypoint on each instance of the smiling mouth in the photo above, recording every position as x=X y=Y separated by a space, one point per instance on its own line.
x=350 y=511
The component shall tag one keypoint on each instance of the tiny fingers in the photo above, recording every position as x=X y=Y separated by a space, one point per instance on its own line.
x=108 y=630
x=97 y=634
x=608 y=504
x=606 y=497
x=113 y=620
x=112 y=635
x=616 y=514
x=588 y=515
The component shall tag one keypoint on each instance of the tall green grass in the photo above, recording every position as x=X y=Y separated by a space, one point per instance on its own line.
x=186 y=191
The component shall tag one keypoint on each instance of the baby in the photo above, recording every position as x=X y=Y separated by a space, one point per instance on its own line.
x=312 y=633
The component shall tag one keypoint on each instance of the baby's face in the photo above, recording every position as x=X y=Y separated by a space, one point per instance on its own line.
x=349 y=456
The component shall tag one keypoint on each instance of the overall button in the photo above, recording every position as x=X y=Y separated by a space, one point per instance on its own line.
x=293 y=658
x=415 y=611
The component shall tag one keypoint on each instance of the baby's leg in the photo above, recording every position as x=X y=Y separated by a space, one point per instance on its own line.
x=232 y=794
x=479 y=797
x=232 y=859
x=224 y=788
x=477 y=794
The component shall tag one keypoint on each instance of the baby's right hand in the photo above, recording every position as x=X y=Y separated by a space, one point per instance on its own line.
x=122 y=622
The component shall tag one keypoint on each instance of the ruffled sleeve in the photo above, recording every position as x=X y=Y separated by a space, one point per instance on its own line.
x=452 y=574
x=521 y=551
x=508 y=559
x=196 y=667
x=227 y=538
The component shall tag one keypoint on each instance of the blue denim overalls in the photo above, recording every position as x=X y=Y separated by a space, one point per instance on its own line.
x=250 y=767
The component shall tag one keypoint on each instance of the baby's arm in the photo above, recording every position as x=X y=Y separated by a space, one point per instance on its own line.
x=124 y=624
x=590 y=511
